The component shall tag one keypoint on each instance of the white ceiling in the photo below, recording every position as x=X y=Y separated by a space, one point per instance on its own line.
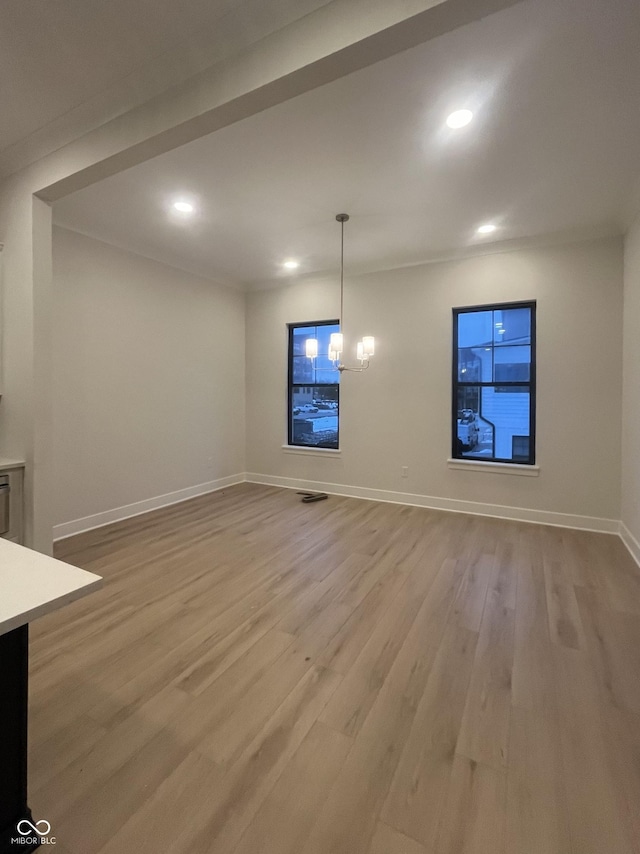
x=553 y=149
x=87 y=60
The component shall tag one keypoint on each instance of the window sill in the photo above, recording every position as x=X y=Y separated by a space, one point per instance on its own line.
x=494 y=468
x=313 y=452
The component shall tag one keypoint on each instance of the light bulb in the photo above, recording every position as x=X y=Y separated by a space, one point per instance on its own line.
x=459 y=118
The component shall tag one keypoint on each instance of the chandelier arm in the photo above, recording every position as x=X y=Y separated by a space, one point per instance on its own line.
x=359 y=370
x=343 y=368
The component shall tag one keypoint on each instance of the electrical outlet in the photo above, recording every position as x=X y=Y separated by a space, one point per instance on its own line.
x=405 y=471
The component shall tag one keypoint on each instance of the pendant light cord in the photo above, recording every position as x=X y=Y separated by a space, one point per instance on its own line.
x=341 y=274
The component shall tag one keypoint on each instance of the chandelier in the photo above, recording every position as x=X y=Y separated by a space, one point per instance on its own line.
x=364 y=348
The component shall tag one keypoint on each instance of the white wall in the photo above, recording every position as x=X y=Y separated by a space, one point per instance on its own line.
x=338 y=38
x=398 y=413
x=631 y=388
x=25 y=409
x=148 y=378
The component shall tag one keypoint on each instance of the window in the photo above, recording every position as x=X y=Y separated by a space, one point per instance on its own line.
x=494 y=383
x=314 y=388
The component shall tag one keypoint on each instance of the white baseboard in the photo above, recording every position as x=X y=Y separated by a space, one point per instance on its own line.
x=630 y=542
x=118 y=514
x=476 y=508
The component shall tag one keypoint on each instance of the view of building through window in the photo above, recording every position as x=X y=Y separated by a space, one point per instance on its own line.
x=494 y=383
x=314 y=388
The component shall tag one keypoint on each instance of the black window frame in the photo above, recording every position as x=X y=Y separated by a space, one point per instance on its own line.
x=291 y=385
x=458 y=454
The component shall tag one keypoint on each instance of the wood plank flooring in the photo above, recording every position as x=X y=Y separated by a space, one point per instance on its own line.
x=262 y=676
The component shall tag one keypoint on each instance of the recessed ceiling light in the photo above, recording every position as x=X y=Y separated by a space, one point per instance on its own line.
x=486 y=229
x=183 y=207
x=291 y=265
x=459 y=118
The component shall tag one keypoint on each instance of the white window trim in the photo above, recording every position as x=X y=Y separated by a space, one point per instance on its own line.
x=300 y=449
x=494 y=468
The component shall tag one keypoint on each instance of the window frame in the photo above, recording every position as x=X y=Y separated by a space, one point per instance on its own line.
x=291 y=385
x=531 y=383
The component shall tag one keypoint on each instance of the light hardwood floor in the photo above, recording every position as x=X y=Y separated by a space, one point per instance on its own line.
x=261 y=676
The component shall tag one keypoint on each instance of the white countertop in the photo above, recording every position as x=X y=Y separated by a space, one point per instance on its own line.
x=33 y=584
x=6 y=463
